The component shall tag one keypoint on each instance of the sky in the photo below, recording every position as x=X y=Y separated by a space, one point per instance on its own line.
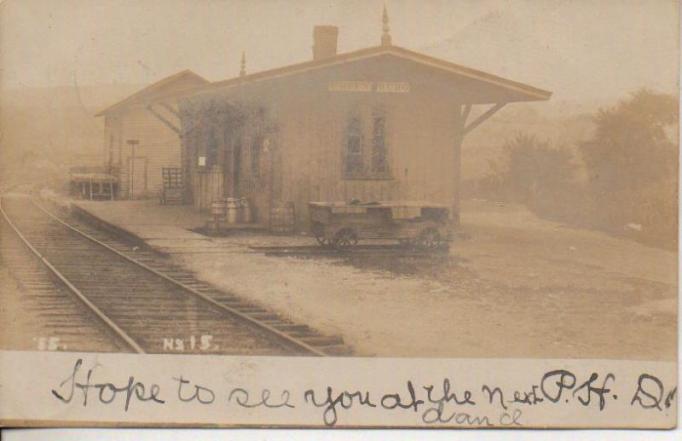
x=579 y=49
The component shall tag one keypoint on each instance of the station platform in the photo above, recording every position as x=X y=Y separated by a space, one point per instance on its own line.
x=600 y=288
x=164 y=228
x=176 y=229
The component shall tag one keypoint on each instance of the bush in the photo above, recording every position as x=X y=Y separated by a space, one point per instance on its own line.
x=532 y=172
x=631 y=164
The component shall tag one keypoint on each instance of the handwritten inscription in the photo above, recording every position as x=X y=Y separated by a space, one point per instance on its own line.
x=441 y=403
x=369 y=86
x=652 y=394
x=105 y=392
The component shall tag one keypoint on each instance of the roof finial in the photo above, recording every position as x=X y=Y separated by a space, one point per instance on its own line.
x=242 y=70
x=385 y=35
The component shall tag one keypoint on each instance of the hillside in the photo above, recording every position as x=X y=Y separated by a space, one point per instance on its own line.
x=44 y=131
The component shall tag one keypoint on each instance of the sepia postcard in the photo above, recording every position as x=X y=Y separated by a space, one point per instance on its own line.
x=339 y=213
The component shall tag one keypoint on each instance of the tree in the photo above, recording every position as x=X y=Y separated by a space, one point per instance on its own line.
x=631 y=152
x=535 y=169
x=531 y=172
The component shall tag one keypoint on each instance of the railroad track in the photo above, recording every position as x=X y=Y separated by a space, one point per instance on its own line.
x=135 y=298
x=51 y=318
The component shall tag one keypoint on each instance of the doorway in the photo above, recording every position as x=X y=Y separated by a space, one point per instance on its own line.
x=137 y=177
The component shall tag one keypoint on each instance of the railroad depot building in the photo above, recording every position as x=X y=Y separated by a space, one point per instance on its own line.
x=378 y=124
x=142 y=135
x=382 y=123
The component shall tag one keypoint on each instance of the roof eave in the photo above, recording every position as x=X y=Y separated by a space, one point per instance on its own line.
x=132 y=99
x=529 y=93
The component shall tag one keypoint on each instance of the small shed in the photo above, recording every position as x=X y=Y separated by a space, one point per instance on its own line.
x=142 y=135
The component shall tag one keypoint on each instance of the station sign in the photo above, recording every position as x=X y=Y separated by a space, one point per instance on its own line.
x=369 y=86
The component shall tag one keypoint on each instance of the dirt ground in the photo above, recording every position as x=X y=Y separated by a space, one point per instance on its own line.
x=512 y=286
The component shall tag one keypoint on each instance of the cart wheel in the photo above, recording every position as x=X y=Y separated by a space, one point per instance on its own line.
x=429 y=239
x=318 y=231
x=323 y=241
x=345 y=238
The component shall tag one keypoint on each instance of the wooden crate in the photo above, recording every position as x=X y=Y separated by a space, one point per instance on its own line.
x=173 y=190
x=282 y=218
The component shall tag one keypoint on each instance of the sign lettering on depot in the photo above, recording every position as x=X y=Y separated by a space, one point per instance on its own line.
x=369 y=86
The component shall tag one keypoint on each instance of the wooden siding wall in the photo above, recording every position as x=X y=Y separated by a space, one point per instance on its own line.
x=157 y=143
x=307 y=130
x=421 y=137
x=207 y=185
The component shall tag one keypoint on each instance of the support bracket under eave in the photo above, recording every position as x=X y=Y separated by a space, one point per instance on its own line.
x=170 y=109
x=161 y=118
x=481 y=118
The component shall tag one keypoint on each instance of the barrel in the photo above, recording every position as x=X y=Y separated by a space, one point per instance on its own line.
x=282 y=218
x=232 y=208
x=245 y=211
x=217 y=214
x=218 y=208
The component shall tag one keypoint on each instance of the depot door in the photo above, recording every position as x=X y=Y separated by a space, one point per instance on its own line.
x=137 y=177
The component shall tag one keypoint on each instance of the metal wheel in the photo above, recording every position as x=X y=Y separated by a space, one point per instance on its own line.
x=429 y=239
x=320 y=237
x=345 y=238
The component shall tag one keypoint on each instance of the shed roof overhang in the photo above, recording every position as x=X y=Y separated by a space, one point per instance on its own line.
x=159 y=90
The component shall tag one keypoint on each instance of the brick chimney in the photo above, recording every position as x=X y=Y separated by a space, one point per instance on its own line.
x=324 y=42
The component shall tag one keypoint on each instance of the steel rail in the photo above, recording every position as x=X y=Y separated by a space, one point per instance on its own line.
x=98 y=312
x=289 y=339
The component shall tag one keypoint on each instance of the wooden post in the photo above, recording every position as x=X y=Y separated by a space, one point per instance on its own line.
x=463 y=111
x=111 y=191
x=186 y=156
x=90 y=186
x=230 y=192
x=462 y=130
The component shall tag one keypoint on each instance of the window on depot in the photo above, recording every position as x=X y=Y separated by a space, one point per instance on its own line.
x=256 y=148
x=353 y=158
x=379 y=154
x=366 y=147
